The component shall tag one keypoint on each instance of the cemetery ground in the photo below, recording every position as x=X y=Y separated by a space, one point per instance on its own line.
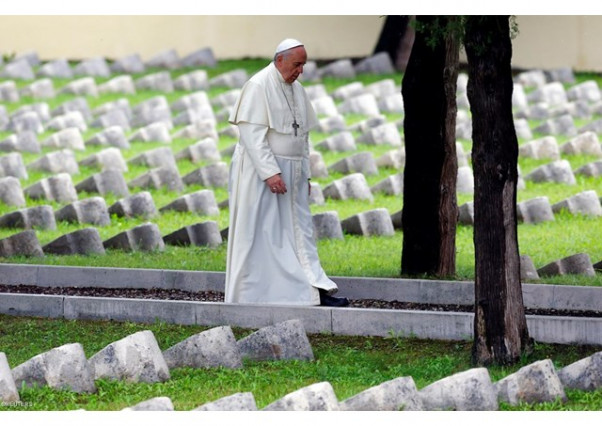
x=351 y=364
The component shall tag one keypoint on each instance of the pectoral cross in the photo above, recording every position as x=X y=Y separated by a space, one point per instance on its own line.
x=295 y=126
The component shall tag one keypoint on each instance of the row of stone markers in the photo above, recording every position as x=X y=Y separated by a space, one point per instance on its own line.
x=138 y=359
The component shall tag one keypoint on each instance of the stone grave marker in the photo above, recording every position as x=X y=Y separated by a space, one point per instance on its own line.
x=466 y=213
x=519 y=97
x=392 y=103
x=198 y=130
x=383 y=88
x=93 y=67
x=194 y=80
x=392 y=395
x=136 y=358
x=545 y=147
x=365 y=104
x=203 y=150
x=213 y=175
x=362 y=162
x=391 y=185
x=200 y=234
x=151 y=111
x=140 y=204
x=585 y=374
x=563 y=75
x=339 y=142
x=26 y=121
x=83 y=241
x=212 y=348
x=578 y=264
x=154 y=132
x=77 y=104
x=40 y=108
x=562 y=125
x=130 y=64
x=11 y=192
x=39 y=89
x=535 y=210
x=85 y=86
x=242 y=401
x=586 y=143
x=112 y=135
x=465 y=180
x=379 y=63
x=58 y=68
x=26 y=141
x=588 y=91
x=317 y=165
x=57 y=188
x=342 y=68
x=159 y=81
x=106 y=159
x=385 y=134
x=332 y=124
x=12 y=165
x=586 y=203
x=594 y=126
x=325 y=106
x=9 y=91
x=69 y=138
x=353 y=186
x=193 y=114
x=167 y=58
x=21 y=244
x=315 y=91
x=90 y=210
x=62 y=161
x=112 y=118
x=551 y=93
x=159 y=403
x=145 y=237
x=203 y=57
x=18 y=70
x=327 y=225
x=527 y=268
x=558 y=171
x=394 y=159
x=349 y=90
x=4 y=120
x=64 y=368
x=158 y=157
x=8 y=389
x=523 y=131
x=121 y=104
x=590 y=169
x=225 y=99
x=41 y=217
x=285 y=340
x=201 y=202
x=230 y=79
x=121 y=84
x=316 y=196
x=105 y=182
x=369 y=223
x=317 y=397
x=31 y=57
x=159 y=177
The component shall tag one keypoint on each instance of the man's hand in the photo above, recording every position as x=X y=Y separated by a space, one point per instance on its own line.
x=276 y=184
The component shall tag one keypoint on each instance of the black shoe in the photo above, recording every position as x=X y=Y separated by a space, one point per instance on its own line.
x=327 y=300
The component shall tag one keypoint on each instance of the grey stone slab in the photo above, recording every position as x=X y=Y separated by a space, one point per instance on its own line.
x=465 y=180
x=537 y=382
x=579 y=264
x=68 y=138
x=546 y=147
x=557 y=171
x=563 y=125
x=91 y=211
x=94 y=67
x=527 y=268
x=392 y=395
x=362 y=162
x=135 y=358
x=586 y=203
x=160 y=177
x=112 y=118
x=32 y=305
x=391 y=185
x=198 y=130
x=286 y=340
x=159 y=81
x=593 y=126
x=365 y=104
x=195 y=80
x=369 y=223
x=200 y=234
x=353 y=186
x=105 y=182
x=130 y=64
x=24 y=243
x=8 y=389
x=203 y=150
x=563 y=75
x=333 y=124
x=122 y=104
x=391 y=103
x=194 y=114
x=12 y=165
x=394 y=159
x=523 y=131
x=585 y=374
x=230 y=79
x=325 y=107
x=587 y=90
x=18 y=70
x=202 y=202
x=317 y=165
x=466 y=213
x=315 y=194
x=27 y=120
x=384 y=88
x=242 y=401
x=139 y=204
x=317 y=397
x=11 y=192
x=158 y=157
x=57 y=188
x=339 y=142
x=552 y=93
x=145 y=237
x=379 y=63
x=327 y=225
x=106 y=159
x=212 y=348
x=153 y=132
x=83 y=241
x=77 y=104
x=385 y=134
x=159 y=403
x=213 y=175
x=62 y=161
x=64 y=368
x=85 y=86
x=112 y=135
x=39 y=89
x=58 y=68
x=167 y=58
x=535 y=210
x=9 y=92
x=121 y=84
x=586 y=143
x=341 y=68
x=225 y=99
x=315 y=91
x=349 y=90
x=470 y=390
x=203 y=57
x=41 y=217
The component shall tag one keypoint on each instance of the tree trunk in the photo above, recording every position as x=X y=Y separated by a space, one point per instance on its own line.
x=500 y=326
x=430 y=208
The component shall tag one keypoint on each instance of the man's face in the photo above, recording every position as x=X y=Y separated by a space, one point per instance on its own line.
x=290 y=64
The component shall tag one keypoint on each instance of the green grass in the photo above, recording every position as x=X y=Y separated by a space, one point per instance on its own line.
x=350 y=364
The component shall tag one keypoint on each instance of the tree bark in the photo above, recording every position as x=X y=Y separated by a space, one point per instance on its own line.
x=430 y=208
x=500 y=326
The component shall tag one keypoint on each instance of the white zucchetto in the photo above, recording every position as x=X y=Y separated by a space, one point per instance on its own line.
x=287 y=44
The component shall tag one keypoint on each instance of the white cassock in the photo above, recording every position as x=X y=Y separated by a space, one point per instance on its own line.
x=272 y=255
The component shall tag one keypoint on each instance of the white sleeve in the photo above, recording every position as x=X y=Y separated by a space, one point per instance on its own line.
x=253 y=137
